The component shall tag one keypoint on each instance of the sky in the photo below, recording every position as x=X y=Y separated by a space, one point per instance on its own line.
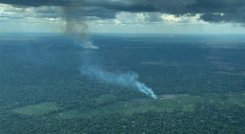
x=124 y=16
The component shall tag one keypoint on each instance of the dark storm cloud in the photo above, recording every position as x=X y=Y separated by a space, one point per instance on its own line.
x=212 y=10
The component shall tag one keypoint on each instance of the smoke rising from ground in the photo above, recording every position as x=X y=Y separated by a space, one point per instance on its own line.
x=76 y=27
x=124 y=79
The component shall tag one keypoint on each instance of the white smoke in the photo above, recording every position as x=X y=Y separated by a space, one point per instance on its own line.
x=77 y=28
x=90 y=45
x=123 y=79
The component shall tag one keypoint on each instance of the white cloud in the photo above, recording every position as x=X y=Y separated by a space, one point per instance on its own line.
x=29 y=19
x=49 y=18
x=148 y=18
x=170 y=18
x=187 y=18
x=130 y=18
x=30 y=14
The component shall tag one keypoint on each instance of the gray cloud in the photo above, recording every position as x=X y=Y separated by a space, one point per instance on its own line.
x=212 y=10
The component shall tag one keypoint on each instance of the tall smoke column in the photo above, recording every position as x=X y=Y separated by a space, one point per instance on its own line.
x=77 y=29
x=75 y=25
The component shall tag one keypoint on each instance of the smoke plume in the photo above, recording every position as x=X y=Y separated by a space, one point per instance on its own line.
x=75 y=25
x=123 y=79
x=77 y=29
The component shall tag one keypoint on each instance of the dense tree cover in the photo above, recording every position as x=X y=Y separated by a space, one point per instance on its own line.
x=49 y=72
x=206 y=119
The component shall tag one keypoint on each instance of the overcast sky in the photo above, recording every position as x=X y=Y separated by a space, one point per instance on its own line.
x=124 y=16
